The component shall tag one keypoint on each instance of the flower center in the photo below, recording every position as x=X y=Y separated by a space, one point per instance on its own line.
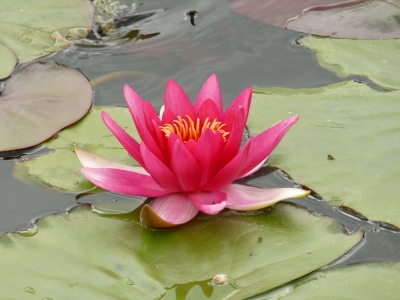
x=188 y=129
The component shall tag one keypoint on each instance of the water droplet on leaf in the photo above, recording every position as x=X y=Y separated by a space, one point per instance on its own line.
x=30 y=290
x=128 y=281
x=30 y=232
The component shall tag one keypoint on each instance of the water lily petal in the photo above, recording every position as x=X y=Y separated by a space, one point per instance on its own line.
x=209 y=110
x=243 y=197
x=207 y=153
x=159 y=171
x=153 y=123
x=210 y=90
x=92 y=160
x=128 y=142
x=264 y=143
x=256 y=168
x=175 y=99
x=234 y=140
x=209 y=203
x=168 y=117
x=136 y=107
x=171 y=143
x=162 y=109
x=242 y=100
x=228 y=119
x=124 y=182
x=185 y=167
x=230 y=171
x=135 y=104
x=168 y=211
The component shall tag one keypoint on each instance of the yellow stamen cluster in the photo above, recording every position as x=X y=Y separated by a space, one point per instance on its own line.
x=188 y=129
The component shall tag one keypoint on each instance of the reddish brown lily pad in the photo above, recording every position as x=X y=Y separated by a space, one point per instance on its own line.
x=358 y=19
x=38 y=101
x=374 y=19
x=279 y=12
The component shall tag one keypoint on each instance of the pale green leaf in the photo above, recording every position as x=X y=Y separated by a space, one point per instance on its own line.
x=359 y=282
x=357 y=126
x=7 y=62
x=376 y=59
x=102 y=258
x=35 y=28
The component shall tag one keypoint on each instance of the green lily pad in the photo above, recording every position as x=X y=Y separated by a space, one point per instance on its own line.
x=61 y=168
x=37 y=28
x=357 y=126
x=378 y=60
x=359 y=282
x=82 y=253
x=8 y=61
x=38 y=101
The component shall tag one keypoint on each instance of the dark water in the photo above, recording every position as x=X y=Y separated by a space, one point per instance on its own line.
x=157 y=42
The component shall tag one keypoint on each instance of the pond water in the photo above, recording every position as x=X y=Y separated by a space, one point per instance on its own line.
x=159 y=42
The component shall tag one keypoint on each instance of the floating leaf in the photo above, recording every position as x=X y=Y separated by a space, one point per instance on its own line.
x=359 y=282
x=7 y=62
x=360 y=19
x=354 y=125
x=376 y=59
x=103 y=258
x=61 y=168
x=279 y=12
x=27 y=26
x=373 y=19
x=38 y=101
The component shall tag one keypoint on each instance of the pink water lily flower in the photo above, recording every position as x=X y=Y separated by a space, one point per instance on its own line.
x=190 y=156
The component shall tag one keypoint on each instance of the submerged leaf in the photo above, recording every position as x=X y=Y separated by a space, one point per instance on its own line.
x=27 y=26
x=103 y=258
x=61 y=168
x=356 y=125
x=38 y=101
x=378 y=60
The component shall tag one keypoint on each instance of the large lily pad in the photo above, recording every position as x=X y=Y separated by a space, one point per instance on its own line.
x=102 y=258
x=369 y=281
x=7 y=62
x=30 y=27
x=61 y=168
x=279 y=12
x=38 y=101
x=373 y=19
x=357 y=126
x=379 y=60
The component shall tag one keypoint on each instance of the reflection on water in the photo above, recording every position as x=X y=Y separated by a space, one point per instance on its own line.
x=21 y=203
x=240 y=51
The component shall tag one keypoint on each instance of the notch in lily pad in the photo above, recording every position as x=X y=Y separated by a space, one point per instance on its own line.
x=38 y=101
